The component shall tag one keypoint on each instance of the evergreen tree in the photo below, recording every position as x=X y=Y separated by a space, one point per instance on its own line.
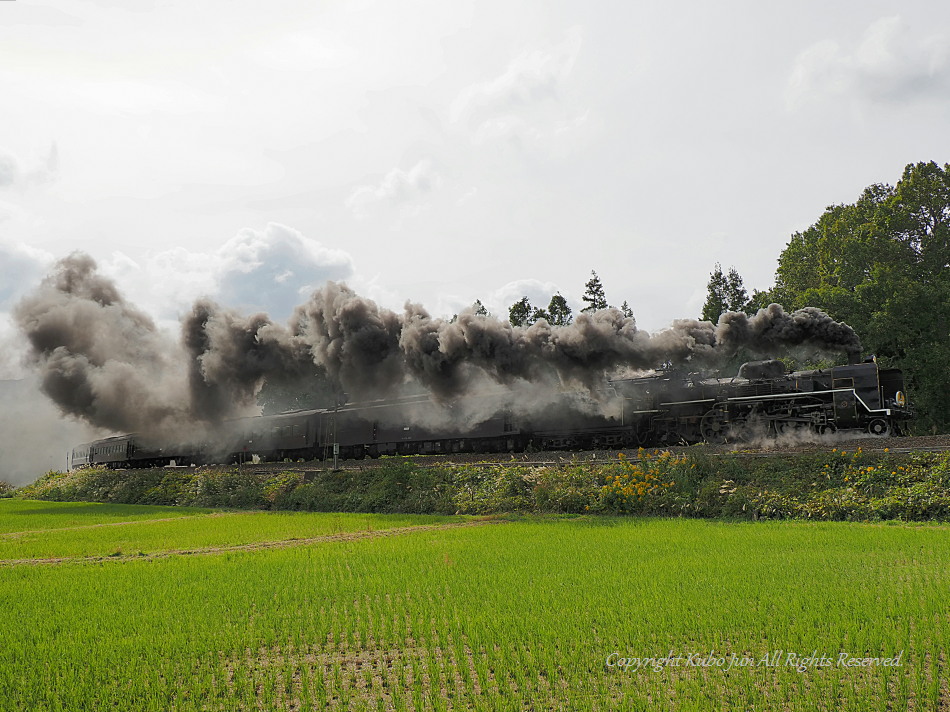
x=594 y=294
x=625 y=308
x=724 y=292
x=539 y=314
x=521 y=312
x=737 y=298
x=560 y=313
x=477 y=308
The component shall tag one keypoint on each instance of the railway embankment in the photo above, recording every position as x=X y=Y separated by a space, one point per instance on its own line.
x=860 y=480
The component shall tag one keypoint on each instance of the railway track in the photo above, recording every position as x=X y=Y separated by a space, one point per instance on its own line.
x=765 y=448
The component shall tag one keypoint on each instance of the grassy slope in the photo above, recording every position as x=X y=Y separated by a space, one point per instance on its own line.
x=521 y=615
x=835 y=485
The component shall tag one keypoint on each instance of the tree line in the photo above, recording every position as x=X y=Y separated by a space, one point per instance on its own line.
x=558 y=313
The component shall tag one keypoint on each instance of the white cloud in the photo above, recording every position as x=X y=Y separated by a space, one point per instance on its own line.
x=889 y=64
x=12 y=174
x=270 y=270
x=404 y=190
x=275 y=270
x=532 y=77
x=9 y=170
x=527 y=101
x=21 y=268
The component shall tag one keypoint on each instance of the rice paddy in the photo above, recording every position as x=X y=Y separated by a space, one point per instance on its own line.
x=154 y=531
x=18 y=515
x=450 y=614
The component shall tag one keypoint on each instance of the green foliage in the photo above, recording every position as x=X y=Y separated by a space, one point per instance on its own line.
x=594 y=294
x=538 y=315
x=836 y=485
x=521 y=312
x=559 y=313
x=6 y=489
x=501 y=488
x=397 y=486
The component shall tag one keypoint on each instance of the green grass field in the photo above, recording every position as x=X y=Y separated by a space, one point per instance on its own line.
x=525 y=614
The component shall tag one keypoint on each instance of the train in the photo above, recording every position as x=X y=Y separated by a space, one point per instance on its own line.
x=663 y=408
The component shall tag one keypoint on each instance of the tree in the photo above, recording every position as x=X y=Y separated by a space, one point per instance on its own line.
x=594 y=294
x=521 y=312
x=560 y=313
x=477 y=308
x=760 y=299
x=539 y=314
x=625 y=308
x=725 y=292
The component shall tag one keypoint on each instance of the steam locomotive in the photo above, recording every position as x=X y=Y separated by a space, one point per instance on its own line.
x=660 y=409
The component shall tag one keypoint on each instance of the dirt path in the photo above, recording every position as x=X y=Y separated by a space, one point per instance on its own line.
x=255 y=546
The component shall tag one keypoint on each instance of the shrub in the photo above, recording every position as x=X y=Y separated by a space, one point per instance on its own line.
x=836 y=485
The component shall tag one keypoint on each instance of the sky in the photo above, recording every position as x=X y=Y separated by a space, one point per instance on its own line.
x=445 y=152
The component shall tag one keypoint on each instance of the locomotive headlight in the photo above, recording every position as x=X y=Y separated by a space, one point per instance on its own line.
x=900 y=399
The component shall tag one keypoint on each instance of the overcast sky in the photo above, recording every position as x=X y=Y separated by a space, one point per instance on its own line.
x=440 y=151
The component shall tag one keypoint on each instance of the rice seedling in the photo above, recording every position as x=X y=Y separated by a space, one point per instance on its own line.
x=151 y=532
x=580 y=614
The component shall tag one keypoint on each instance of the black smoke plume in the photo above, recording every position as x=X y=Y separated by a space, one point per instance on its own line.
x=102 y=360
x=99 y=358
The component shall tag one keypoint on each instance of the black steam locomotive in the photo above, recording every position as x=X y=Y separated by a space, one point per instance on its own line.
x=661 y=409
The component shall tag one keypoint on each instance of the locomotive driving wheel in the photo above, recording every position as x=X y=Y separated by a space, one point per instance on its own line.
x=880 y=427
x=713 y=426
x=788 y=427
